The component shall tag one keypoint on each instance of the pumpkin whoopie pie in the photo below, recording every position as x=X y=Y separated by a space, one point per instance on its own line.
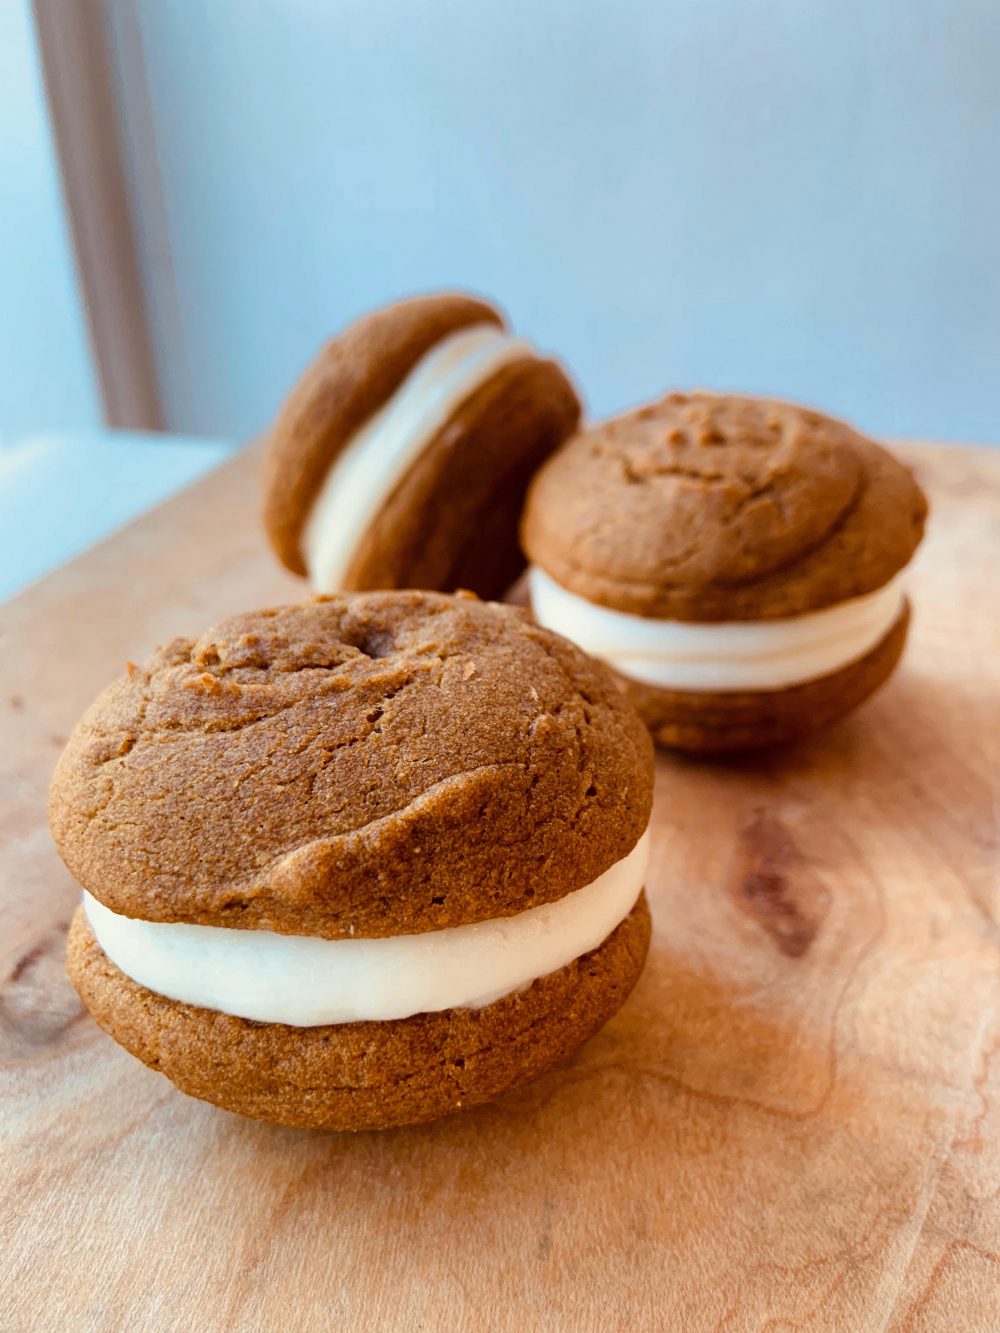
x=402 y=456
x=736 y=560
x=359 y=862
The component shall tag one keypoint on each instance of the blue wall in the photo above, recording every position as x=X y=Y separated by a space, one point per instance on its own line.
x=778 y=195
x=46 y=376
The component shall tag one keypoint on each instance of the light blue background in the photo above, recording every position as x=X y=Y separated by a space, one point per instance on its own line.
x=46 y=377
x=785 y=196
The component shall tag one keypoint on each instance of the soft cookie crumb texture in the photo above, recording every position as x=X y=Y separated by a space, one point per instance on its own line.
x=706 y=507
x=371 y=764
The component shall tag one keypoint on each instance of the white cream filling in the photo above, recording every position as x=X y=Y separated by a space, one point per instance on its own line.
x=305 y=981
x=382 y=451
x=720 y=656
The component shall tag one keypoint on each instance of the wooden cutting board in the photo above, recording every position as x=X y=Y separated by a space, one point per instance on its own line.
x=793 y=1124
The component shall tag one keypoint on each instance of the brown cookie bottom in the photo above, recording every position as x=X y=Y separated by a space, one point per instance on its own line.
x=705 y=723
x=354 y=1076
x=452 y=519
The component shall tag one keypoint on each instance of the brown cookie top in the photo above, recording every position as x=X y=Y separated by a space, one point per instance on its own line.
x=352 y=377
x=368 y=764
x=705 y=507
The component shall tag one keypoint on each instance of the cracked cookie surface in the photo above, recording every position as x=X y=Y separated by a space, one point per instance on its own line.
x=705 y=507
x=368 y=764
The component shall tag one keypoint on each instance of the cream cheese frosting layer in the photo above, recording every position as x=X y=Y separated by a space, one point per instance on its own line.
x=304 y=981
x=720 y=656
x=383 y=450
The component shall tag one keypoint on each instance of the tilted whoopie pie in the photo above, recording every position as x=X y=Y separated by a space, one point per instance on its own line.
x=402 y=456
x=359 y=862
x=736 y=560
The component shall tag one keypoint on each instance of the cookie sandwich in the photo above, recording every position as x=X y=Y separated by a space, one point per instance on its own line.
x=359 y=862
x=739 y=562
x=402 y=456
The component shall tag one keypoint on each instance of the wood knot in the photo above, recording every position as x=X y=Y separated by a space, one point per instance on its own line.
x=774 y=885
x=38 y=1007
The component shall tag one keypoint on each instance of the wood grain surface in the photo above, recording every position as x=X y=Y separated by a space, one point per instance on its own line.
x=794 y=1123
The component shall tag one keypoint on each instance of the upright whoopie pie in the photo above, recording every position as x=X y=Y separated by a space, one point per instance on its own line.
x=359 y=862
x=402 y=456
x=736 y=560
